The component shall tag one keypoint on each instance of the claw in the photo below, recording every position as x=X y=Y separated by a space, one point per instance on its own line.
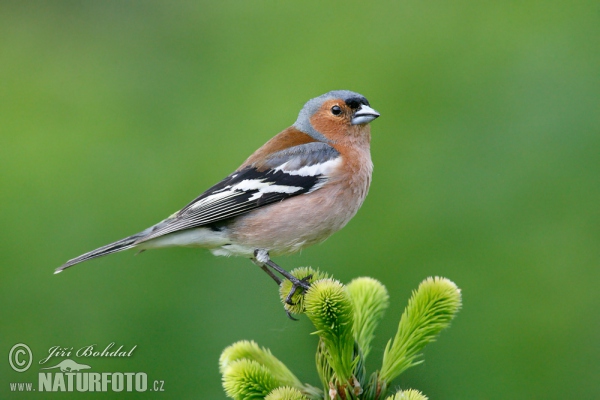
x=289 y=314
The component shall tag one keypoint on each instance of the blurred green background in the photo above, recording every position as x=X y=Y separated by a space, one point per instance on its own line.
x=487 y=171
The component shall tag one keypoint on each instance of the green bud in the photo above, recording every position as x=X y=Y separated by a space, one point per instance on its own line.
x=250 y=350
x=286 y=393
x=298 y=297
x=247 y=379
x=370 y=300
x=329 y=308
x=410 y=394
x=430 y=309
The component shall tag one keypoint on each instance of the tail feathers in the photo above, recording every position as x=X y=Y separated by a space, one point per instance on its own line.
x=114 y=247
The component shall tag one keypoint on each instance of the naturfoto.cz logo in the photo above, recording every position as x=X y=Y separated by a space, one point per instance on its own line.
x=70 y=376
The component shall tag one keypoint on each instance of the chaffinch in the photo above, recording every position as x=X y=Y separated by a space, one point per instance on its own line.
x=303 y=185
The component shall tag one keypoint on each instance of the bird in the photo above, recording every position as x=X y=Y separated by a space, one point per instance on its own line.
x=299 y=188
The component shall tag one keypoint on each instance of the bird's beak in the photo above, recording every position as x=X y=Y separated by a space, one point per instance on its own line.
x=364 y=115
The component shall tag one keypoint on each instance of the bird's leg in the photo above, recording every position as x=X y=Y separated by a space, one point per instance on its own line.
x=296 y=283
x=271 y=274
x=267 y=271
x=263 y=260
x=278 y=282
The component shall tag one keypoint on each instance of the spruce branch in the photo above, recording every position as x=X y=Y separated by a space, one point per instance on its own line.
x=247 y=379
x=430 y=309
x=370 y=299
x=329 y=308
x=250 y=350
x=345 y=318
x=286 y=393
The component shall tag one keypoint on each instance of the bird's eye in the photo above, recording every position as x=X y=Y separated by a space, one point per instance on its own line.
x=336 y=110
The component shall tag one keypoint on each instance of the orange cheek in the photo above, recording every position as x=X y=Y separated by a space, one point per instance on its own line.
x=329 y=125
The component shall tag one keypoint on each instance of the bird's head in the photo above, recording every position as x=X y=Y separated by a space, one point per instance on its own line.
x=339 y=112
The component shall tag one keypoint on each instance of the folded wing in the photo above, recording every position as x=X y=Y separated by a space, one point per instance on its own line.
x=291 y=172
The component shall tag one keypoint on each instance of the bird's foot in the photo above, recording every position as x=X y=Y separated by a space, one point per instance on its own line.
x=302 y=284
